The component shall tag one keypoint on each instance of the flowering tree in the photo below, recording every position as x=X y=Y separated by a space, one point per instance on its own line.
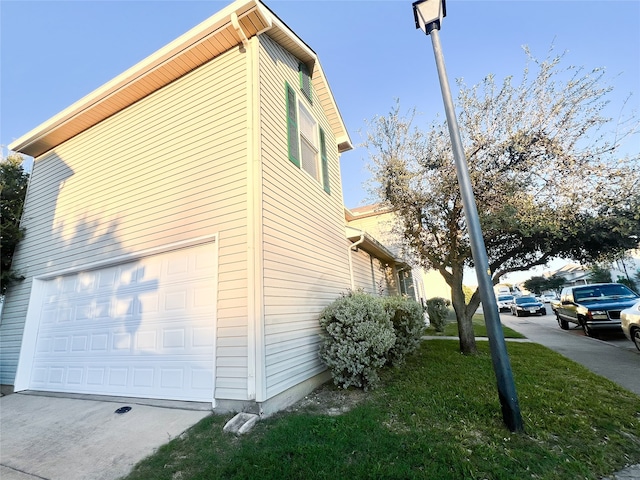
x=547 y=175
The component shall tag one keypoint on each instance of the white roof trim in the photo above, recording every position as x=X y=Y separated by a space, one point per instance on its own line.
x=27 y=143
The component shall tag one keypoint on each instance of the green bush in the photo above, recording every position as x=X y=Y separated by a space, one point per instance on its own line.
x=438 y=309
x=356 y=336
x=408 y=324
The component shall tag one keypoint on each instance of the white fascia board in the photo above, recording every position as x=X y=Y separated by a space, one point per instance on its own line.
x=165 y=54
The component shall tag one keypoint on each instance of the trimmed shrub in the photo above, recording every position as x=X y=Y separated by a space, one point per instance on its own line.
x=438 y=309
x=408 y=324
x=356 y=335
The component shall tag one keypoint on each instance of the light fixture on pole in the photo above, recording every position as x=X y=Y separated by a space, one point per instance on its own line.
x=428 y=15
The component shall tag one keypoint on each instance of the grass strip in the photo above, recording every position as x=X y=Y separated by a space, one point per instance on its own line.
x=438 y=416
x=479 y=329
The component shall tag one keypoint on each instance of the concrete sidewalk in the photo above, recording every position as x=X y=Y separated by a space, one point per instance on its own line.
x=57 y=438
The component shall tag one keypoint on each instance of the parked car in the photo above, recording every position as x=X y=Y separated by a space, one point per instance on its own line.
x=630 y=320
x=547 y=297
x=594 y=307
x=504 y=302
x=527 y=305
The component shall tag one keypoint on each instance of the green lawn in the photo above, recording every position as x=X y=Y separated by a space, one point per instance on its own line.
x=479 y=328
x=437 y=417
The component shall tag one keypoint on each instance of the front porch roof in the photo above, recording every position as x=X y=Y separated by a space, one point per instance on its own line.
x=371 y=245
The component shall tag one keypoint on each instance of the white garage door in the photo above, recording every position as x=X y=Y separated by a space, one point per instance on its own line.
x=144 y=328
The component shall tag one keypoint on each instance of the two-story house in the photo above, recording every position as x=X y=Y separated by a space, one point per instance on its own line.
x=185 y=226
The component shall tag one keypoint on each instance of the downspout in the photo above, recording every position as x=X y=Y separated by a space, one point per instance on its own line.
x=353 y=285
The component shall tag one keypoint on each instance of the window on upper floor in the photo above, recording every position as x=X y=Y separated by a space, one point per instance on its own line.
x=305 y=81
x=306 y=140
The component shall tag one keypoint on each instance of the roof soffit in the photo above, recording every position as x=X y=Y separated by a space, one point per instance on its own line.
x=202 y=43
x=370 y=245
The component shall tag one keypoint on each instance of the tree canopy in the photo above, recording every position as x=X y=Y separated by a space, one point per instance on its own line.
x=536 y=284
x=549 y=179
x=13 y=188
x=539 y=284
x=599 y=274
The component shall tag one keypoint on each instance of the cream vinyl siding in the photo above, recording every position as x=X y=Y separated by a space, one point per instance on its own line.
x=379 y=227
x=305 y=254
x=370 y=275
x=428 y=283
x=169 y=168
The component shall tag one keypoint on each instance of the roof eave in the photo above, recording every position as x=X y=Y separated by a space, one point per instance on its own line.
x=371 y=245
x=254 y=18
x=32 y=142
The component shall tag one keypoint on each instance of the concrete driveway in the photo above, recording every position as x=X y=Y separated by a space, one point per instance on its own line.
x=60 y=438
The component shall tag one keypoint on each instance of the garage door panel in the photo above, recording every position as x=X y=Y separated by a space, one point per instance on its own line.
x=156 y=338
x=192 y=297
x=145 y=328
x=147 y=379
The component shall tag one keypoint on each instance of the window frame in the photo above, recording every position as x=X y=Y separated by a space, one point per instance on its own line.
x=295 y=139
x=305 y=81
x=405 y=282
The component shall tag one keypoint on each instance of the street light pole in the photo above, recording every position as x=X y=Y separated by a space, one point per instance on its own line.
x=499 y=357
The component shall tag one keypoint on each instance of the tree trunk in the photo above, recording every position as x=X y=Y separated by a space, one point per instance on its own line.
x=463 y=317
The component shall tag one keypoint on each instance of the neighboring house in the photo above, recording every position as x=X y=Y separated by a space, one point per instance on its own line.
x=413 y=281
x=185 y=227
x=572 y=273
x=626 y=268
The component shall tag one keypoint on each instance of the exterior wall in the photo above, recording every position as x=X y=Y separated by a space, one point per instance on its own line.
x=427 y=283
x=169 y=168
x=370 y=275
x=379 y=227
x=431 y=284
x=305 y=263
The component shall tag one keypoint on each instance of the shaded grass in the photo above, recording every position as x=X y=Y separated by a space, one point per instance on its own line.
x=479 y=329
x=436 y=417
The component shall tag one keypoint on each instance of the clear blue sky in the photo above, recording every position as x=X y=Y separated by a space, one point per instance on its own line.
x=55 y=52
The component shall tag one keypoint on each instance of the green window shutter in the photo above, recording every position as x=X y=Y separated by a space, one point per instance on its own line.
x=305 y=80
x=292 y=127
x=325 y=162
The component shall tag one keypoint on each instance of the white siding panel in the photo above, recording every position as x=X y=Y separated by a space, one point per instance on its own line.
x=305 y=254
x=169 y=168
x=363 y=271
x=371 y=275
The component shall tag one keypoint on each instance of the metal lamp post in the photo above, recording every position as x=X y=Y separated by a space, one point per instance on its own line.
x=428 y=15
